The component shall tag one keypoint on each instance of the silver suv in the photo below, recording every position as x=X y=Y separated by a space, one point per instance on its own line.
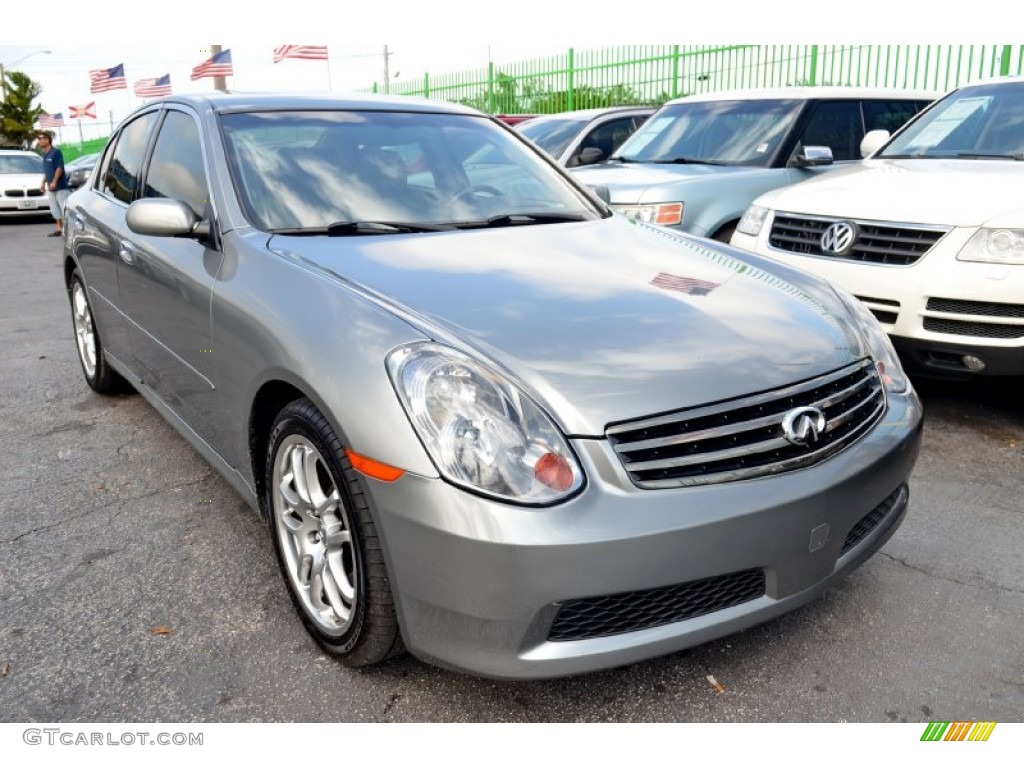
x=698 y=162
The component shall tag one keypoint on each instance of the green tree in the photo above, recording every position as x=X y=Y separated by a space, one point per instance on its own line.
x=17 y=115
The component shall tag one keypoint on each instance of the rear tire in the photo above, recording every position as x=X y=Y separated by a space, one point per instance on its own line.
x=97 y=371
x=326 y=542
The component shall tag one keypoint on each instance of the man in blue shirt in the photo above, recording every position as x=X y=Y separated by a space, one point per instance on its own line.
x=55 y=180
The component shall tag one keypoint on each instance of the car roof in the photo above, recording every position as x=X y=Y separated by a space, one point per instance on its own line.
x=245 y=102
x=1005 y=79
x=588 y=114
x=812 y=92
x=18 y=152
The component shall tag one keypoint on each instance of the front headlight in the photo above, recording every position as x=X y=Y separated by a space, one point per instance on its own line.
x=480 y=430
x=886 y=360
x=752 y=221
x=994 y=246
x=666 y=214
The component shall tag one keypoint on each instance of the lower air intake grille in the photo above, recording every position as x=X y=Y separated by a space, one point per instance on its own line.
x=629 y=611
x=870 y=521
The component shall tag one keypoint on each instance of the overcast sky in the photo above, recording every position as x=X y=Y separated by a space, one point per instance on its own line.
x=63 y=40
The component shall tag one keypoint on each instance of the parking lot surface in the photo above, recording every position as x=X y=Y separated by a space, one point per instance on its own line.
x=135 y=585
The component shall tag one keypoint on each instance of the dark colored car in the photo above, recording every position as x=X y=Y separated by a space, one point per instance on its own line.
x=78 y=170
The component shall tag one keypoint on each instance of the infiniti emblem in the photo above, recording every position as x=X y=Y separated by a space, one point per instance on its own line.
x=804 y=426
x=838 y=238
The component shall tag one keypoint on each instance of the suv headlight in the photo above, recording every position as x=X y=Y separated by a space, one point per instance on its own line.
x=994 y=246
x=752 y=221
x=666 y=214
x=480 y=430
x=886 y=360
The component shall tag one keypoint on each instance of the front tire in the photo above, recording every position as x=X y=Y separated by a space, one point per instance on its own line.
x=326 y=543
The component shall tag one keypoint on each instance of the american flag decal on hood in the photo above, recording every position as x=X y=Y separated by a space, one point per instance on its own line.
x=688 y=285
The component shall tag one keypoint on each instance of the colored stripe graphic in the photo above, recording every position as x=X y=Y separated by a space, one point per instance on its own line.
x=958 y=731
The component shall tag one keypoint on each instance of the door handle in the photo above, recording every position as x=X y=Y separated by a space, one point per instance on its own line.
x=127 y=252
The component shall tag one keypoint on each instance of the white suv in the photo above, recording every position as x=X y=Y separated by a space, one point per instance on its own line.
x=928 y=231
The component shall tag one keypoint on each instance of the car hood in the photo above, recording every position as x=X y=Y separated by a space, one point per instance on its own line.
x=21 y=180
x=650 y=182
x=602 y=321
x=919 y=191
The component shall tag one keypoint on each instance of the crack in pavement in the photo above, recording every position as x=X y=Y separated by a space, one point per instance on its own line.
x=988 y=585
x=114 y=500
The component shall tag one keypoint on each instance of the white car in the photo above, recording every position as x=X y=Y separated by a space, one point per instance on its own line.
x=21 y=176
x=928 y=231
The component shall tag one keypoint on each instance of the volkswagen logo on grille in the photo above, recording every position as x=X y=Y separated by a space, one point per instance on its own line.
x=804 y=426
x=839 y=238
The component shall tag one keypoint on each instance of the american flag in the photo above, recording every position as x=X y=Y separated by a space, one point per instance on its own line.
x=312 y=52
x=154 y=86
x=55 y=120
x=690 y=285
x=218 y=65
x=82 y=110
x=107 y=79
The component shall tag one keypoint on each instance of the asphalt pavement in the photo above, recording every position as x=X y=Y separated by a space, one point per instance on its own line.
x=136 y=586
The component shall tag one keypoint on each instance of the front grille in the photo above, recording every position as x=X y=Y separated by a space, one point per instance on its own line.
x=986 y=308
x=629 y=611
x=744 y=438
x=882 y=315
x=870 y=521
x=966 y=328
x=14 y=192
x=34 y=192
x=897 y=245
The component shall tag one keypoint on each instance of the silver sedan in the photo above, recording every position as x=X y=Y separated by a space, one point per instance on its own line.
x=486 y=420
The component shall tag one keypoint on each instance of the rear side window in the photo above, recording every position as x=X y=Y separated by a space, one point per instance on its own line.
x=890 y=115
x=176 y=170
x=122 y=173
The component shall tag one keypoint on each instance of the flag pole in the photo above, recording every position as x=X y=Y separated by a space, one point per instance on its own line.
x=81 y=137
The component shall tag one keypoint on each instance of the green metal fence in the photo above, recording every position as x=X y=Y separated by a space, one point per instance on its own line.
x=652 y=74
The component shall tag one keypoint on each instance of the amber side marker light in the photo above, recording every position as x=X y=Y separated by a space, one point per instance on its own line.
x=372 y=468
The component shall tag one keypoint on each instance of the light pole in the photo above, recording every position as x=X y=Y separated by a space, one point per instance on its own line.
x=3 y=73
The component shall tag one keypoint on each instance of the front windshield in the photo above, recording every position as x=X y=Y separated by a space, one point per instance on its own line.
x=744 y=132
x=20 y=164
x=980 y=121
x=553 y=136
x=298 y=171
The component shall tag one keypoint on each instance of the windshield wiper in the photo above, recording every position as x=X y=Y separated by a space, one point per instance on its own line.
x=517 y=219
x=687 y=161
x=363 y=228
x=1014 y=156
x=382 y=228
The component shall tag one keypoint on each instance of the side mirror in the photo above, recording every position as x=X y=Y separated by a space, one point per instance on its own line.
x=590 y=155
x=873 y=141
x=159 y=217
x=805 y=157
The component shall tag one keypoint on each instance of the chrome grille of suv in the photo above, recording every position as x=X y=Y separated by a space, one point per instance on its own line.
x=876 y=243
x=743 y=438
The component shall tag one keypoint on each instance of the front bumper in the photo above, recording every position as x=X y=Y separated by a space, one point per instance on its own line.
x=24 y=206
x=479 y=584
